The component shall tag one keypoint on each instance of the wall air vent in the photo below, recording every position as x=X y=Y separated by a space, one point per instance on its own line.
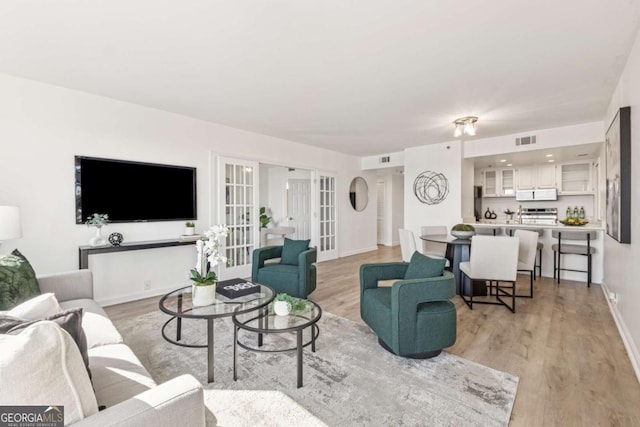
x=526 y=140
x=385 y=159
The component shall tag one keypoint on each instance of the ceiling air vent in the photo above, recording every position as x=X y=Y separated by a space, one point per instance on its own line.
x=385 y=159
x=526 y=140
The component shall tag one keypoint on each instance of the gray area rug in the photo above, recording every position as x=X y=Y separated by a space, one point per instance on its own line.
x=349 y=381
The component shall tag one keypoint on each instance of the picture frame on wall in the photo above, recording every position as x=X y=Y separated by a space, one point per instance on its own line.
x=618 y=176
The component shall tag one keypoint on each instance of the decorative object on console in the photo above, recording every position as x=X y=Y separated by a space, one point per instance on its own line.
x=234 y=288
x=10 y=225
x=618 y=147
x=98 y=221
x=115 y=239
x=431 y=188
x=489 y=214
x=209 y=255
x=576 y=222
x=189 y=228
x=463 y=231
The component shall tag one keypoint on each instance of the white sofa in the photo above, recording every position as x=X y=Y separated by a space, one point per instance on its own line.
x=121 y=383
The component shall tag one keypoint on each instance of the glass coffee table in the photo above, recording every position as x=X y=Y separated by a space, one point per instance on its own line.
x=264 y=322
x=178 y=305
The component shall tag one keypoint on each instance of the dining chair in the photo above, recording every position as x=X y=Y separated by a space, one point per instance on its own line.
x=560 y=249
x=407 y=244
x=528 y=243
x=539 y=247
x=437 y=250
x=493 y=259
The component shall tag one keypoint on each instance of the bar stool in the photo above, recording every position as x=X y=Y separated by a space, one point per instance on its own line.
x=488 y=231
x=539 y=248
x=560 y=249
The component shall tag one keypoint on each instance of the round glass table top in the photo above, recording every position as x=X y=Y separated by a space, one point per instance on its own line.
x=269 y=321
x=179 y=303
x=445 y=238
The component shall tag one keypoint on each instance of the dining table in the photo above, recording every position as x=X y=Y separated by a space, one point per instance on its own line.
x=457 y=251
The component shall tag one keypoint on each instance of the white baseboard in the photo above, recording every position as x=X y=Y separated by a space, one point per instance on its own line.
x=627 y=340
x=134 y=297
x=359 y=251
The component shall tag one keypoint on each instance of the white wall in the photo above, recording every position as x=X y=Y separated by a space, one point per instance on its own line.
x=393 y=206
x=545 y=138
x=44 y=126
x=621 y=266
x=445 y=158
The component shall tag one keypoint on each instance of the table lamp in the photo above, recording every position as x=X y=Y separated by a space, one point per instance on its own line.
x=10 y=226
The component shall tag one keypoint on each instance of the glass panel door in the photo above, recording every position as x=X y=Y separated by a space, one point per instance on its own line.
x=327 y=217
x=238 y=210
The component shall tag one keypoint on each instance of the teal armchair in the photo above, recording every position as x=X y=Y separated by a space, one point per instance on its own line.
x=412 y=318
x=296 y=280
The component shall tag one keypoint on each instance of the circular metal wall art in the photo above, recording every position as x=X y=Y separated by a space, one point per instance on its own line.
x=431 y=188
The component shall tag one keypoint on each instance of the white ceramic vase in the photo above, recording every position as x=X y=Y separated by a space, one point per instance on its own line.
x=281 y=308
x=98 y=240
x=189 y=231
x=203 y=295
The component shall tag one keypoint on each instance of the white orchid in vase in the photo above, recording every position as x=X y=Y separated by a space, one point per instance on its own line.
x=209 y=254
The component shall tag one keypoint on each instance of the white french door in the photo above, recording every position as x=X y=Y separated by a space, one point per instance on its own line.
x=238 y=209
x=326 y=215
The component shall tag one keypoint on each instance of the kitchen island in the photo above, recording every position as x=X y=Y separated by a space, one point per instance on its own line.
x=568 y=261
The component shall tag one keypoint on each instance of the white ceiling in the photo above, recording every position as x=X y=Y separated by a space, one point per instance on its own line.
x=362 y=76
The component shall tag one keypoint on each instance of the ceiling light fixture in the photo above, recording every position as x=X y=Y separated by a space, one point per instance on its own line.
x=548 y=155
x=466 y=125
x=551 y=161
x=509 y=164
x=503 y=160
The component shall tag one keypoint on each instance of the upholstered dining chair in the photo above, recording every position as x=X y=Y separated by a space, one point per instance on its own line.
x=528 y=241
x=538 y=265
x=413 y=317
x=407 y=244
x=493 y=259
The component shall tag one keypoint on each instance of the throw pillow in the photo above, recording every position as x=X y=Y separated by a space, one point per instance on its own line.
x=69 y=320
x=291 y=249
x=17 y=280
x=423 y=267
x=37 y=308
x=42 y=366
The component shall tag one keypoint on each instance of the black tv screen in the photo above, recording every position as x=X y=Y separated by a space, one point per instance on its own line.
x=134 y=191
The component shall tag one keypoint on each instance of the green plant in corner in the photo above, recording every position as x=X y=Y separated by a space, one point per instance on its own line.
x=264 y=218
x=297 y=305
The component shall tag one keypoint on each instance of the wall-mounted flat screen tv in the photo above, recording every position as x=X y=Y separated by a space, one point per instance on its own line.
x=133 y=191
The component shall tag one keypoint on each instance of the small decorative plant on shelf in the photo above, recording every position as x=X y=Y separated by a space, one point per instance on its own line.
x=264 y=218
x=97 y=220
x=189 y=228
x=209 y=257
x=284 y=304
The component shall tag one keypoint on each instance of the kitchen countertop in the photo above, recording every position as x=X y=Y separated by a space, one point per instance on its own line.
x=588 y=227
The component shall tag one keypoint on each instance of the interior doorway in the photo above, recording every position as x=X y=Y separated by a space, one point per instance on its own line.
x=380 y=188
x=390 y=191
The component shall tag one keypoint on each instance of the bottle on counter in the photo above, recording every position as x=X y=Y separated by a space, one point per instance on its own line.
x=581 y=213
x=569 y=212
x=576 y=212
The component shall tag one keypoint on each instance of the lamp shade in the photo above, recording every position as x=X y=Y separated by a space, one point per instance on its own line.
x=10 y=226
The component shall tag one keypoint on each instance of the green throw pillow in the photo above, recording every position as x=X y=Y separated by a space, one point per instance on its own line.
x=291 y=249
x=423 y=267
x=17 y=280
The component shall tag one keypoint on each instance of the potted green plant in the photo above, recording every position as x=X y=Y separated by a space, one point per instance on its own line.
x=264 y=218
x=463 y=231
x=98 y=221
x=284 y=304
x=189 y=228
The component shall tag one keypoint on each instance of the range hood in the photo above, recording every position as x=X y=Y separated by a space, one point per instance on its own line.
x=539 y=194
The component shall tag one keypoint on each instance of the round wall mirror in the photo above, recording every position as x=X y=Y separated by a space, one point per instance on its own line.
x=359 y=193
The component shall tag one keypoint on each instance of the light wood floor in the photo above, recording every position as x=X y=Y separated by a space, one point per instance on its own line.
x=563 y=344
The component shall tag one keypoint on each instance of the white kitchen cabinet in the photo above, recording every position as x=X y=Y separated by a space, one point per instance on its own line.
x=546 y=176
x=490 y=183
x=532 y=177
x=575 y=178
x=507 y=182
x=527 y=178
